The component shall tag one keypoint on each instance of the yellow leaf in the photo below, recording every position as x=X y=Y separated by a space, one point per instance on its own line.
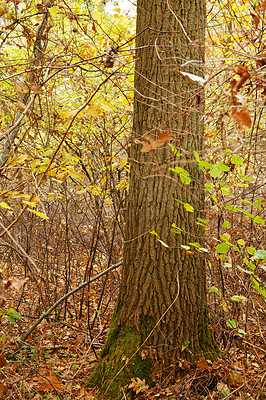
x=93 y=109
x=4 y=205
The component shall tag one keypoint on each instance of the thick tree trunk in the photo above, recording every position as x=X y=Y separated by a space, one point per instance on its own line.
x=163 y=289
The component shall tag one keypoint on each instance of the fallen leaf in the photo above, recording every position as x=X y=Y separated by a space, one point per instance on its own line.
x=150 y=144
x=3 y=360
x=138 y=385
x=47 y=380
x=223 y=388
x=2 y=388
x=14 y=283
x=203 y=365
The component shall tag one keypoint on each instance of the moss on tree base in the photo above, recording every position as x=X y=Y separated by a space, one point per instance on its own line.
x=124 y=357
x=120 y=362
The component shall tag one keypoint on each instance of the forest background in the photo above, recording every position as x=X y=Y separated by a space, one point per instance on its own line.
x=67 y=85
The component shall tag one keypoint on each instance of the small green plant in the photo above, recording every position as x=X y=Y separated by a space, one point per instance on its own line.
x=10 y=314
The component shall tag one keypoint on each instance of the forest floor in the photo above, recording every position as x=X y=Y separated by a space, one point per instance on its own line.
x=62 y=351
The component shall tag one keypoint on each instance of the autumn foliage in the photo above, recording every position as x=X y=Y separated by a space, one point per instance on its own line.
x=65 y=123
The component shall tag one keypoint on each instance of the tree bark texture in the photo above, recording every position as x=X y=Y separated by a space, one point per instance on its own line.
x=155 y=277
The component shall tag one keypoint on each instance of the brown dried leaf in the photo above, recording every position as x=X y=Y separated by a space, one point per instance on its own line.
x=47 y=380
x=35 y=88
x=21 y=87
x=255 y=19
x=244 y=76
x=192 y=78
x=14 y=283
x=261 y=61
x=138 y=385
x=2 y=388
x=203 y=365
x=263 y=6
x=150 y=144
x=242 y=117
x=21 y=106
x=3 y=360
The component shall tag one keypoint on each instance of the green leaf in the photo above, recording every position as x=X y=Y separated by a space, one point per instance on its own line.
x=225 y=236
x=214 y=289
x=206 y=164
x=185 y=179
x=226 y=192
x=209 y=186
x=204 y=221
x=222 y=248
x=179 y=170
x=175 y=151
x=215 y=172
x=154 y=233
x=231 y=323
x=11 y=319
x=175 y=230
x=30 y=203
x=251 y=250
x=13 y=313
x=241 y=242
x=231 y=208
x=195 y=244
x=258 y=220
x=223 y=167
x=237 y=160
x=226 y=224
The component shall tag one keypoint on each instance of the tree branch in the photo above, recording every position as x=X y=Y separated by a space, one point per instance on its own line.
x=48 y=312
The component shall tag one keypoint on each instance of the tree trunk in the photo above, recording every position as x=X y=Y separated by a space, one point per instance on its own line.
x=161 y=315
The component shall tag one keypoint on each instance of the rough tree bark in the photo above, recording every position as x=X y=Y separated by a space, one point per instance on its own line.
x=156 y=278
